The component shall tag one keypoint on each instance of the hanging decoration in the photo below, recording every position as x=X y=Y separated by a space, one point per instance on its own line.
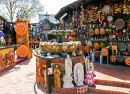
x=106 y=10
x=104 y=52
x=96 y=45
x=21 y=29
x=122 y=46
x=113 y=59
x=22 y=51
x=119 y=23
x=22 y=15
x=127 y=61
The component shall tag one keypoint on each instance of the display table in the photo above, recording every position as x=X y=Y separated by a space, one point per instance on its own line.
x=42 y=64
x=7 y=57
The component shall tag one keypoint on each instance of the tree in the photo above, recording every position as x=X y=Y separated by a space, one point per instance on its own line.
x=10 y=7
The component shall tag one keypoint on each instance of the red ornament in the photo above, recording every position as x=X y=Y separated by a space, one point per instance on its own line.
x=117 y=34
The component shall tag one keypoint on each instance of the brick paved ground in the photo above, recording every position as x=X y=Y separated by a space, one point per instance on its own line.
x=114 y=73
x=21 y=78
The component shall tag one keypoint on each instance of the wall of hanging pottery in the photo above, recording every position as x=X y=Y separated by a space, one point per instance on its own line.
x=122 y=46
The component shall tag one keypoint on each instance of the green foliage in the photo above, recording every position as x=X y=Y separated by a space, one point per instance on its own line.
x=11 y=7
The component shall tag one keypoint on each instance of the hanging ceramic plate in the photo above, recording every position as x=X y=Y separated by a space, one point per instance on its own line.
x=114 y=47
x=113 y=59
x=119 y=23
x=110 y=25
x=120 y=59
x=109 y=18
x=96 y=31
x=96 y=45
x=127 y=61
x=102 y=31
x=122 y=47
x=89 y=44
x=104 y=52
x=91 y=32
x=128 y=47
x=106 y=10
x=128 y=24
x=102 y=45
x=97 y=54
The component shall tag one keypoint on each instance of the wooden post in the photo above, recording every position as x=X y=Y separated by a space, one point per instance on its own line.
x=48 y=82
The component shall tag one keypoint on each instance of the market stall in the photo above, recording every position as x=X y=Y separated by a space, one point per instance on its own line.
x=105 y=26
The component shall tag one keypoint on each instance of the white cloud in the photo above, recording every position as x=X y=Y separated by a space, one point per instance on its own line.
x=53 y=6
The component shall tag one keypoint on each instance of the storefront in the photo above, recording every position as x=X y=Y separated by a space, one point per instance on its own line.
x=105 y=26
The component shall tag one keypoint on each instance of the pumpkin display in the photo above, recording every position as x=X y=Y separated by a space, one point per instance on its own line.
x=96 y=45
x=104 y=52
x=22 y=51
x=102 y=31
x=96 y=31
x=21 y=29
x=113 y=59
x=127 y=61
x=119 y=23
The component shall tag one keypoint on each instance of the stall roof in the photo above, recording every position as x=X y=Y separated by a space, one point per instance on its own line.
x=3 y=18
x=69 y=7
